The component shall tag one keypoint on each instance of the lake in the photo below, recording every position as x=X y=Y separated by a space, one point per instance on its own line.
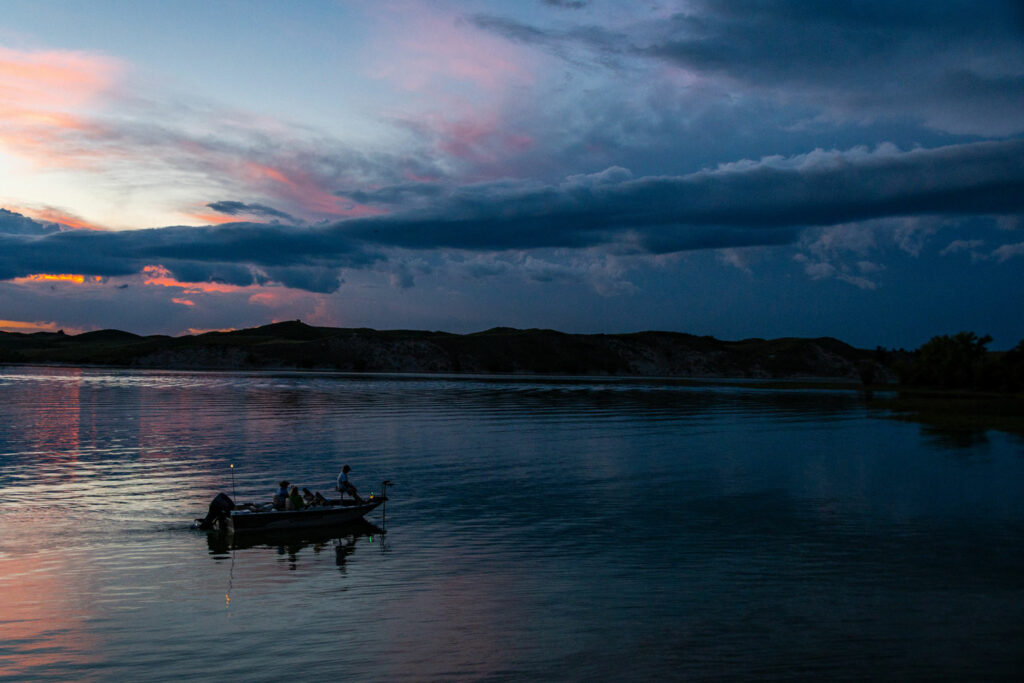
x=546 y=529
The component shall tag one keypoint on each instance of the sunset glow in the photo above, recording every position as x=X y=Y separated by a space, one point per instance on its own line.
x=569 y=165
x=51 y=214
x=25 y=326
x=63 y=277
x=158 y=276
x=765 y=257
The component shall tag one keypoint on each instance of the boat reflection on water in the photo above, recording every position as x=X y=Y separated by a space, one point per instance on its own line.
x=340 y=539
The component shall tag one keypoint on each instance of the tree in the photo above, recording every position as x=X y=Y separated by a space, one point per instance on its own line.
x=950 y=362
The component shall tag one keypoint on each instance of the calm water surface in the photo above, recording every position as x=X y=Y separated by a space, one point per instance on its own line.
x=538 y=529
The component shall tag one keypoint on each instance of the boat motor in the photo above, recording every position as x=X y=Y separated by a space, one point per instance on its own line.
x=220 y=507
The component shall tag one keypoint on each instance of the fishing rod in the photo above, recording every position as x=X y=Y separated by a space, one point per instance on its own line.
x=384 y=510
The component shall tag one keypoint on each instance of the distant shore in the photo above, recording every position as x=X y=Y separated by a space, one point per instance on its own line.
x=297 y=346
x=822 y=364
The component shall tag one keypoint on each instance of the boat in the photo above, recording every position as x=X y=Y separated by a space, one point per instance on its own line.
x=227 y=517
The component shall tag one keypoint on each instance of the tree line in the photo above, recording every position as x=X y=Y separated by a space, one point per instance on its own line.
x=958 y=361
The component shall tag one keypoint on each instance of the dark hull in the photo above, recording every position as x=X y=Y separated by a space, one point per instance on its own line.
x=310 y=518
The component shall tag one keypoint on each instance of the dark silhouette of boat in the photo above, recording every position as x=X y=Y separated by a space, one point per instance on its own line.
x=226 y=516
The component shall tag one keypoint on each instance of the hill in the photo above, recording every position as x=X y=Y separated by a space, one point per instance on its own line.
x=295 y=345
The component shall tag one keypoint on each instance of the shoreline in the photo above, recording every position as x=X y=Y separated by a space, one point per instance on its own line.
x=940 y=409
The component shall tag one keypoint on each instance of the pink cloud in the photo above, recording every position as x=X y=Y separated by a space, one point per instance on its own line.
x=52 y=214
x=482 y=139
x=299 y=189
x=44 y=94
x=432 y=52
x=53 y=80
x=280 y=297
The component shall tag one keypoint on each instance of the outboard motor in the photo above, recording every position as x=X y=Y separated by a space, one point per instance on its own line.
x=220 y=507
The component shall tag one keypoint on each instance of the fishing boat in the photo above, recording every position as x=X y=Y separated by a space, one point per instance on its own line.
x=226 y=516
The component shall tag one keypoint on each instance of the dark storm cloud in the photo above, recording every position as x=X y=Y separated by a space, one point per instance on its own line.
x=746 y=203
x=300 y=257
x=233 y=208
x=955 y=66
x=401 y=195
x=15 y=224
x=567 y=4
x=740 y=204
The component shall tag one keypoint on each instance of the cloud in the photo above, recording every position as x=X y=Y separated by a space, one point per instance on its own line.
x=233 y=208
x=1008 y=251
x=119 y=138
x=955 y=66
x=43 y=95
x=567 y=4
x=235 y=254
x=403 y=195
x=12 y=223
x=24 y=326
x=962 y=245
x=745 y=203
x=739 y=204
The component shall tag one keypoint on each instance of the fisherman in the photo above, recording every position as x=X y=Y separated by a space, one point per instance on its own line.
x=345 y=486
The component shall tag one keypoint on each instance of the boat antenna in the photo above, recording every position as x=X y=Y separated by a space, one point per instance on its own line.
x=233 y=481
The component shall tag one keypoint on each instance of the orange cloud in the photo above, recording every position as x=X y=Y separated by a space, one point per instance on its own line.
x=183 y=302
x=57 y=277
x=161 y=277
x=200 y=330
x=38 y=326
x=213 y=218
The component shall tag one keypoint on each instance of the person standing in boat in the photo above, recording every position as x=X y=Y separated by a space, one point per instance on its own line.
x=345 y=486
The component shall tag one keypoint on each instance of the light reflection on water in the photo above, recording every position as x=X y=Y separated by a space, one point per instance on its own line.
x=552 y=529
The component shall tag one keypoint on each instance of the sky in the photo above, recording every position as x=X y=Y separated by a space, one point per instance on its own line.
x=742 y=168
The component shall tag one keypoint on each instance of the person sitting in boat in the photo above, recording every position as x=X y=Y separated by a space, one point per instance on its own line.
x=345 y=486
x=295 y=501
x=308 y=498
x=319 y=500
x=281 y=497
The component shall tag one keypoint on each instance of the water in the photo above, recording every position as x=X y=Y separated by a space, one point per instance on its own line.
x=539 y=529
